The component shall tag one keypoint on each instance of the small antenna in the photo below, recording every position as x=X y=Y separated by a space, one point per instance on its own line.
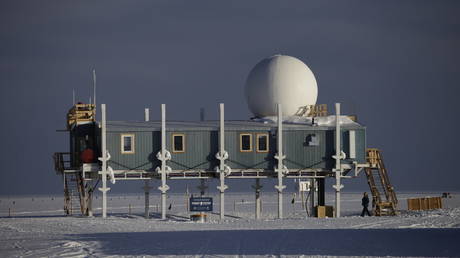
x=94 y=89
x=202 y=114
x=73 y=96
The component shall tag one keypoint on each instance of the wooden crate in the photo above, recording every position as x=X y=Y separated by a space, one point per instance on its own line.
x=324 y=211
x=81 y=113
x=426 y=203
x=320 y=211
x=413 y=204
x=434 y=203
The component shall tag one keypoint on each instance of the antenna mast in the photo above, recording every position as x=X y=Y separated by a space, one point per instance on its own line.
x=94 y=89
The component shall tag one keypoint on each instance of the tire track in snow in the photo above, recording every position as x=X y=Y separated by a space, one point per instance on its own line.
x=374 y=224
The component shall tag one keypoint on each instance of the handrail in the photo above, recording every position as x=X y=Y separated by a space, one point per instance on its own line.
x=62 y=161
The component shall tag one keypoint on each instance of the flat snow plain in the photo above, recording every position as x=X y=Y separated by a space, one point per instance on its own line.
x=37 y=228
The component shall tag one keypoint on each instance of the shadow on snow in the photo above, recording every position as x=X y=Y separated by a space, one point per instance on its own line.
x=348 y=242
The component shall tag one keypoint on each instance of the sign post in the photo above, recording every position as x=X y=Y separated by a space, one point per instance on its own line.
x=201 y=205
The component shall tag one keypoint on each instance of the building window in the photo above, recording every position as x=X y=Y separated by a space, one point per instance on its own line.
x=312 y=140
x=178 y=143
x=262 y=142
x=127 y=143
x=245 y=142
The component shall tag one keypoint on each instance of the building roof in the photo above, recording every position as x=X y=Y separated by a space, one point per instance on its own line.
x=213 y=125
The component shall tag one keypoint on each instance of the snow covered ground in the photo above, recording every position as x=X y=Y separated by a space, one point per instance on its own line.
x=37 y=228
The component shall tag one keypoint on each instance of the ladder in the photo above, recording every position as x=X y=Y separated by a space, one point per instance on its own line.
x=384 y=201
x=74 y=194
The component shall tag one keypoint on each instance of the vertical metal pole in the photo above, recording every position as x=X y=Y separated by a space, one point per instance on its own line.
x=312 y=197
x=147 y=198
x=337 y=157
x=280 y=168
x=302 y=199
x=164 y=187
x=90 y=203
x=103 y=173
x=104 y=162
x=222 y=187
x=202 y=187
x=146 y=114
x=187 y=203
x=94 y=89
x=147 y=182
x=257 y=187
x=202 y=114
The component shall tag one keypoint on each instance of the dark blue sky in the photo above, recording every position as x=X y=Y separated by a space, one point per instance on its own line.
x=393 y=63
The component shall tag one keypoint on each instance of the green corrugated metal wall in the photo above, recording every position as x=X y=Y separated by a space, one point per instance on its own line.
x=245 y=160
x=299 y=155
x=201 y=147
x=141 y=159
x=360 y=145
x=200 y=150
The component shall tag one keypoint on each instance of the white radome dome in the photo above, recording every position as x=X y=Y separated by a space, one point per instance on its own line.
x=280 y=79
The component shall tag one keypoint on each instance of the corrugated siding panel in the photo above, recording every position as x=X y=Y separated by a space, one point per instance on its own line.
x=299 y=155
x=244 y=160
x=360 y=145
x=200 y=150
x=141 y=159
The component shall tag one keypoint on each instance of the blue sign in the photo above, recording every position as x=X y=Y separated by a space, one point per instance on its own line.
x=201 y=204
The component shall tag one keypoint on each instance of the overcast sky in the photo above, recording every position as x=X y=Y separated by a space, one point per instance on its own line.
x=395 y=64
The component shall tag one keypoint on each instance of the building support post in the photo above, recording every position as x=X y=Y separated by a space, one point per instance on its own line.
x=257 y=187
x=163 y=156
x=147 y=181
x=312 y=197
x=280 y=157
x=222 y=155
x=202 y=187
x=89 y=198
x=104 y=189
x=147 y=198
x=338 y=156
x=90 y=202
x=321 y=193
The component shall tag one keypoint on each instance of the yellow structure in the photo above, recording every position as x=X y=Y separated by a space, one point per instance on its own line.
x=81 y=113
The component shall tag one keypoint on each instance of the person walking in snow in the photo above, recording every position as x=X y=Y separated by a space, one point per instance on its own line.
x=365 y=204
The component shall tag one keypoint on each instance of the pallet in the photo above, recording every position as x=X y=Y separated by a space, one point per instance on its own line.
x=426 y=203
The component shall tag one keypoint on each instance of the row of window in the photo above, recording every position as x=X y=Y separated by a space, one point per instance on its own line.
x=178 y=143
x=261 y=142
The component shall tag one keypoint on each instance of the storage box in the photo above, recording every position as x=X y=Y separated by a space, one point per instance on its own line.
x=427 y=203
x=324 y=211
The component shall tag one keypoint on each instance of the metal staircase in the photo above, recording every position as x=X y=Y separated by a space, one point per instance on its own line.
x=77 y=195
x=72 y=200
x=384 y=201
